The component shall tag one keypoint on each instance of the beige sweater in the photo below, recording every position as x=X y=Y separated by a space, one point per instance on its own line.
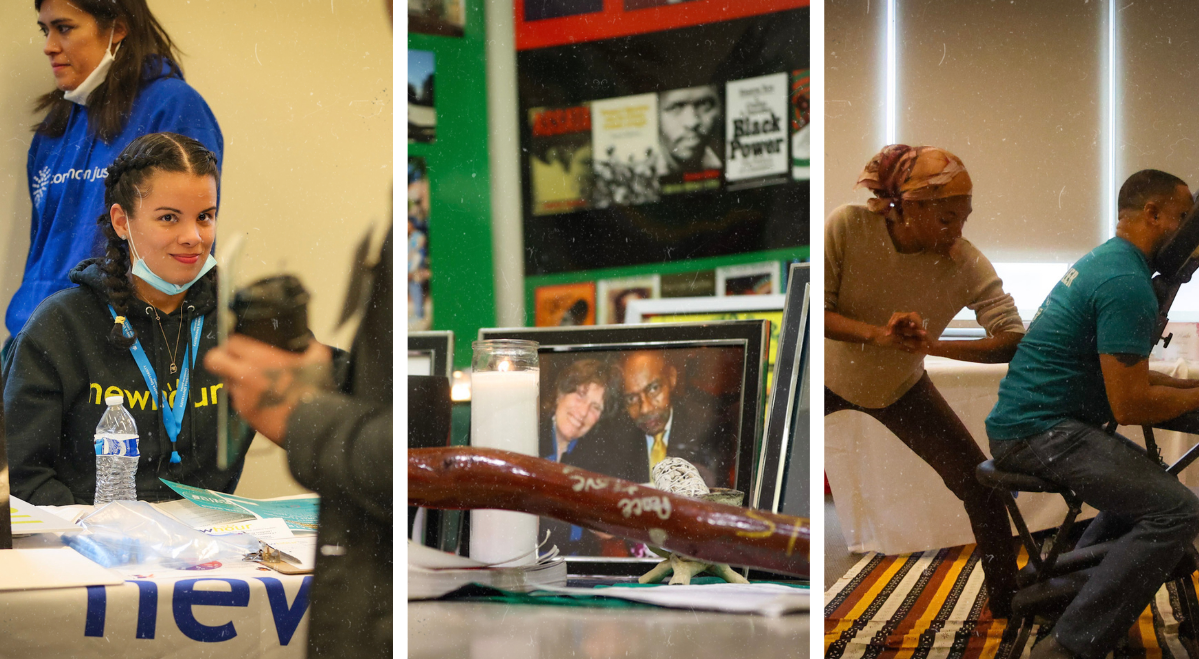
x=866 y=279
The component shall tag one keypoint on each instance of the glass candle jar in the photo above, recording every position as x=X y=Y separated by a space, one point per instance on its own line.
x=505 y=381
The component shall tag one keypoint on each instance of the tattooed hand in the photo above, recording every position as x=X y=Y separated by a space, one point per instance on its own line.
x=265 y=384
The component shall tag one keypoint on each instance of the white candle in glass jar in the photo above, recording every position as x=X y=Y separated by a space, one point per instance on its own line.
x=503 y=415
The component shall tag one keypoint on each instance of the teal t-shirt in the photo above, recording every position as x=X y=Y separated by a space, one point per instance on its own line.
x=1104 y=305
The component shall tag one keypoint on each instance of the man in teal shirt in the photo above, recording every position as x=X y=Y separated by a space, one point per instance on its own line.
x=1084 y=362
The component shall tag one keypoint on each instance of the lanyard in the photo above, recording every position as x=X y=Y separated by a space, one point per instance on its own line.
x=172 y=416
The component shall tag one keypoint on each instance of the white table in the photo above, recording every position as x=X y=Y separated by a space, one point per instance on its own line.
x=243 y=610
x=890 y=501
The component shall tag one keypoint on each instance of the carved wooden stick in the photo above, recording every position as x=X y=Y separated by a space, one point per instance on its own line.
x=467 y=478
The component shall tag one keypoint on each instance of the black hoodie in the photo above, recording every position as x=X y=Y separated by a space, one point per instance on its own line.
x=62 y=368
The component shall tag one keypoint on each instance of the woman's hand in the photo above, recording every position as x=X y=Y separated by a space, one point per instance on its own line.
x=265 y=383
x=904 y=331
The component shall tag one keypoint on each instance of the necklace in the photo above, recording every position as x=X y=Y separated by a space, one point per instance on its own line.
x=164 y=338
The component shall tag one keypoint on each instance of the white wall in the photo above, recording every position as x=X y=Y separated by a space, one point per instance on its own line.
x=1020 y=91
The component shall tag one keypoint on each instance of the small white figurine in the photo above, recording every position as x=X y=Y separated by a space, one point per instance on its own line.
x=677 y=476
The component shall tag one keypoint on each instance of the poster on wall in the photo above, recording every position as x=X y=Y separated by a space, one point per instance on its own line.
x=615 y=294
x=422 y=115
x=690 y=139
x=631 y=5
x=564 y=305
x=691 y=131
x=757 y=132
x=445 y=18
x=420 y=305
x=624 y=145
x=801 y=103
x=560 y=166
x=748 y=279
x=701 y=283
x=539 y=10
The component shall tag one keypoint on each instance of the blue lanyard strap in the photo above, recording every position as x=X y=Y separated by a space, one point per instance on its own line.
x=172 y=416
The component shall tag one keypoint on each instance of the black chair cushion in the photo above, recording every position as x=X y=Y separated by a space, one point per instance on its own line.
x=993 y=478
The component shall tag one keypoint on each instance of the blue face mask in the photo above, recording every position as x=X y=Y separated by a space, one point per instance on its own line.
x=143 y=272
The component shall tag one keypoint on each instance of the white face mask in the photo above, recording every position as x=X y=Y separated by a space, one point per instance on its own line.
x=96 y=78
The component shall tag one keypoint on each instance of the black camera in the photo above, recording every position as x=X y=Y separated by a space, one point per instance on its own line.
x=275 y=311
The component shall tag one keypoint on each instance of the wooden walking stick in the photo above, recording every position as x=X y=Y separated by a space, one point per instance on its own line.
x=468 y=478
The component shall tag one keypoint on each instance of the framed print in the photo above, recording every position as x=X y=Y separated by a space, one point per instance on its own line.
x=564 y=305
x=748 y=279
x=446 y=18
x=422 y=112
x=615 y=399
x=430 y=366
x=781 y=477
x=431 y=353
x=614 y=296
x=683 y=309
x=420 y=274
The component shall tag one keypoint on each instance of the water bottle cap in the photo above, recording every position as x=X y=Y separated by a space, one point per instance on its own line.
x=118 y=399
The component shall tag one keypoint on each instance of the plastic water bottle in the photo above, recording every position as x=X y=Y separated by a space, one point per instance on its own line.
x=116 y=453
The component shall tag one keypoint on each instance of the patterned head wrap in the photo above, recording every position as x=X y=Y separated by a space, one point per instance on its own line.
x=901 y=172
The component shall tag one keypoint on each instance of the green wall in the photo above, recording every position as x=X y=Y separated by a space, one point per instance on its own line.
x=461 y=285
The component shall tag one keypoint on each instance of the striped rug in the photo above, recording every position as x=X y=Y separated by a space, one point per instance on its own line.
x=932 y=604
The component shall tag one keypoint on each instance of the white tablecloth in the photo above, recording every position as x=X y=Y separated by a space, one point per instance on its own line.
x=244 y=610
x=890 y=501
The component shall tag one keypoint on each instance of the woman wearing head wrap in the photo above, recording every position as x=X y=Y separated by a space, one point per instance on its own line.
x=896 y=272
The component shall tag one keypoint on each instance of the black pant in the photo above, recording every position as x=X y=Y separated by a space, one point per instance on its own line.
x=923 y=421
x=1152 y=514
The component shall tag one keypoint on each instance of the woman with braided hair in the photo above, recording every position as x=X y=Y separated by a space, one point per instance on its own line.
x=117 y=76
x=154 y=288
x=896 y=271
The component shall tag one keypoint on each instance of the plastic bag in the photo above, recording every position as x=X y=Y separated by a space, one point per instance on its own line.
x=135 y=533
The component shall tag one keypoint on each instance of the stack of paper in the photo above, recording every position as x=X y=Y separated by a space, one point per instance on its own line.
x=433 y=573
x=300 y=513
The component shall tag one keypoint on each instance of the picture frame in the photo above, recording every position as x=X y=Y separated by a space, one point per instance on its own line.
x=679 y=308
x=430 y=369
x=748 y=279
x=720 y=363
x=614 y=295
x=431 y=353
x=781 y=474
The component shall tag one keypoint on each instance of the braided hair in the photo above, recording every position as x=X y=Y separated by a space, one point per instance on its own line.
x=128 y=181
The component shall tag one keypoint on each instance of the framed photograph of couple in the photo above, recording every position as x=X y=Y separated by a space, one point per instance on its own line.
x=617 y=399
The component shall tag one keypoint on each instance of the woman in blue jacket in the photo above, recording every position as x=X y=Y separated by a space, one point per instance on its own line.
x=118 y=77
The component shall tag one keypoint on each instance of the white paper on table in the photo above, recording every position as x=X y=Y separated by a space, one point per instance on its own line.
x=264 y=529
x=299 y=551
x=59 y=567
x=28 y=519
x=199 y=517
x=767 y=599
x=435 y=559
